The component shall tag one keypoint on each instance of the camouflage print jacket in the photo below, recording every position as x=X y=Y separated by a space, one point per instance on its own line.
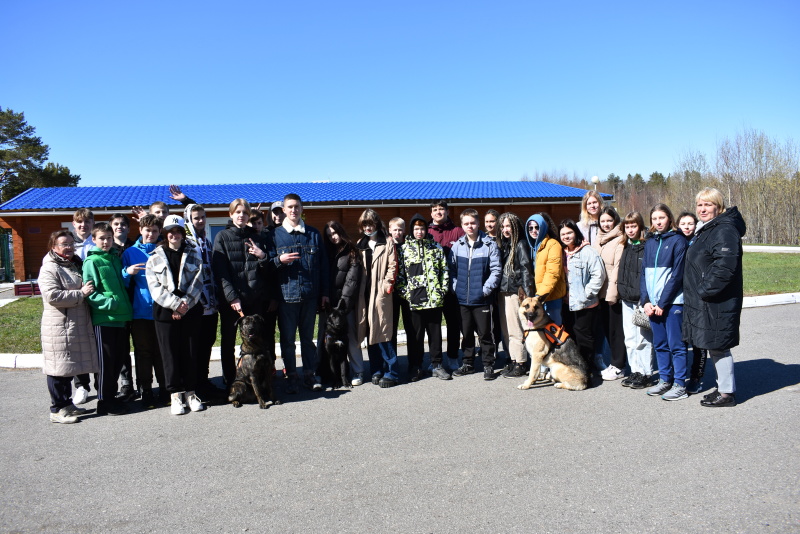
x=423 y=278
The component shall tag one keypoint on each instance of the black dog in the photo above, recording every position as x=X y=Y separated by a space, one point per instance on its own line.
x=336 y=345
x=256 y=365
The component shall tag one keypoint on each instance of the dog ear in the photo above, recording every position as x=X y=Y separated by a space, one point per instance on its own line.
x=521 y=294
x=239 y=320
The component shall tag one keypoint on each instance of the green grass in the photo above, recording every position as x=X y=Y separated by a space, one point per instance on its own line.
x=767 y=274
x=20 y=326
x=764 y=274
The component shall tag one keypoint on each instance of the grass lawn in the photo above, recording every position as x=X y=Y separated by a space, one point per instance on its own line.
x=768 y=274
x=764 y=274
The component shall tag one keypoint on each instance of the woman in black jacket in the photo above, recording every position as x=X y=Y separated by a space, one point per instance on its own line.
x=712 y=286
x=239 y=264
x=346 y=270
x=638 y=341
x=517 y=272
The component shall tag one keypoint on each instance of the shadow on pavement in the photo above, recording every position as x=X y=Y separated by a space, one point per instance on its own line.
x=763 y=376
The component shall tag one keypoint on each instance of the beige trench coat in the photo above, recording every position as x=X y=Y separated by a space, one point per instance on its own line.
x=68 y=342
x=610 y=246
x=375 y=310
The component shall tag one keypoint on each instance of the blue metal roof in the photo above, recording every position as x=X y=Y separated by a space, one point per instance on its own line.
x=62 y=198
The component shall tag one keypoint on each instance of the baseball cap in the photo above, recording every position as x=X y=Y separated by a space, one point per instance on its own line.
x=171 y=221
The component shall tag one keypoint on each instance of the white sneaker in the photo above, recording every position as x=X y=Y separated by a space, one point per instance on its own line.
x=358 y=379
x=194 y=402
x=612 y=373
x=63 y=416
x=80 y=396
x=177 y=407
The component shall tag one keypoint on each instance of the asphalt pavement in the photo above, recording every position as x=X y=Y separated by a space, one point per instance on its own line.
x=459 y=456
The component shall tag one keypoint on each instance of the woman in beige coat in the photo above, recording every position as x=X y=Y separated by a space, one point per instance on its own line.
x=68 y=343
x=375 y=315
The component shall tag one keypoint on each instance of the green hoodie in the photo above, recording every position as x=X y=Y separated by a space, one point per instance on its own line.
x=109 y=302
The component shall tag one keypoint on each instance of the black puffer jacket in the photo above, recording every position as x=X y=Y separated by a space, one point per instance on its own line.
x=238 y=274
x=346 y=275
x=630 y=272
x=521 y=274
x=712 y=283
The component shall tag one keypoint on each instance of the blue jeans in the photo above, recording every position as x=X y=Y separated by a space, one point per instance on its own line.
x=383 y=359
x=292 y=317
x=671 y=354
x=553 y=309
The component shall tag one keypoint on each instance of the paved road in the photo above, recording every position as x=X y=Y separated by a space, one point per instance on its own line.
x=458 y=456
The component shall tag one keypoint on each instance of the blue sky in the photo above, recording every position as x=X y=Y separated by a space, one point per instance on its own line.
x=209 y=92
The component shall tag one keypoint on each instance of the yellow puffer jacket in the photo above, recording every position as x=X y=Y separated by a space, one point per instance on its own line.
x=549 y=270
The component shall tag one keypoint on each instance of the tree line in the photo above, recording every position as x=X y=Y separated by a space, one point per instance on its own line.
x=759 y=174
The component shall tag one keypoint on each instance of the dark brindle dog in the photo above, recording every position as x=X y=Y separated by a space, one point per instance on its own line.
x=336 y=344
x=567 y=367
x=256 y=365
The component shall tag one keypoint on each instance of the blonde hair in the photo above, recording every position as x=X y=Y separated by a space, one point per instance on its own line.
x=584 y=211
x=236 y=202
x=710 y=194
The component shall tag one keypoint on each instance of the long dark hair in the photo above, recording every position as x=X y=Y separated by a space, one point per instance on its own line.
x=569 y=223
x=344 y=244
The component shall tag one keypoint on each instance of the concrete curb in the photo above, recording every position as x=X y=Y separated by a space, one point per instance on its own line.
x=35 y=361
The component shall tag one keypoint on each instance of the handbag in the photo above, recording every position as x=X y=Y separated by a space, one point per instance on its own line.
x=640 y=318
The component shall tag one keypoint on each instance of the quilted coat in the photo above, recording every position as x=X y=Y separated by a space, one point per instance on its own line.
x=68 y=342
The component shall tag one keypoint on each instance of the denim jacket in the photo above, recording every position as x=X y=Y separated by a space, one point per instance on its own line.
x=308 y=278
x=586 y=274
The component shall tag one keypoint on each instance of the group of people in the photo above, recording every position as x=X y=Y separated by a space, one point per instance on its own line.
x=655 y=299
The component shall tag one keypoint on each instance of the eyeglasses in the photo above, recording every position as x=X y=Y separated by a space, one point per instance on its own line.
x=532 y=228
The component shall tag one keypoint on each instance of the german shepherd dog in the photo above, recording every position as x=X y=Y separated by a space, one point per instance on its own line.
x=567 y=367
x=256 y=365
x=336 y=345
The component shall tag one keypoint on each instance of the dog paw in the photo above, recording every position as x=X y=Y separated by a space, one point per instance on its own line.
x=523 y=386
x=263 y=405
x=237 y=404
x=275 y=402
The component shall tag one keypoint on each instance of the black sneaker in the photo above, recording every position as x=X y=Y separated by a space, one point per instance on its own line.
x=643 y=382
x=719 y=401
x=464 y=370
x=712 y=396
x=508 y=367
x=630 y=379
x=488 y=373
x=516 y=371
x=148 y=399
x=376 y=378
x=111 y=408
x=415 y=375
x=126 y=393
x=387 y=382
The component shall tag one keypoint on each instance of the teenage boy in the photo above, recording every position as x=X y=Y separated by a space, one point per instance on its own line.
x=446 y=234
x=423 y=282
x=397 y=231
x=120 y=224
x=475 y=271
x=111 y=310
x=298 y=255
x=157 y=208
x=82 y=223
x=143 y=331
x=196 y=234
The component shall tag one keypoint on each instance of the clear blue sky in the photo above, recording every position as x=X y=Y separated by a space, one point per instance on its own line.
x=210 y=92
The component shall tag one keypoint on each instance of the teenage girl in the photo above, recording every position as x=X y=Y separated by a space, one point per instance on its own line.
x=610 y=243
x=662 y=297
x=638 y=340
x=687 y=223
x=589 y=224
